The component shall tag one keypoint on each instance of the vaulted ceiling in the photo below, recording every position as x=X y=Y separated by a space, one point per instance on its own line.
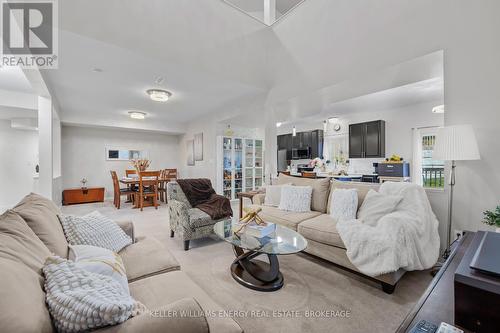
x=209 y=55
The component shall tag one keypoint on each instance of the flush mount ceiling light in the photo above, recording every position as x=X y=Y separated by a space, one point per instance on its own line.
x=438 y=109
x=137 y=115
x=159 y=95
x=333 y=120
x=278 y=124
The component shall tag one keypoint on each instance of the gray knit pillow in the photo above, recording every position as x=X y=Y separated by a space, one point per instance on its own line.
x=79 y=300
x=94 y=229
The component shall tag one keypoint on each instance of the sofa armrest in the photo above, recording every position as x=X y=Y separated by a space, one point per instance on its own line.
x=128 y=228
x=184 y=315
x=258 y=199
x=179 y=215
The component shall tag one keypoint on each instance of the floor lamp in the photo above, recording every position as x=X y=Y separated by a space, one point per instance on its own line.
x=454 y=143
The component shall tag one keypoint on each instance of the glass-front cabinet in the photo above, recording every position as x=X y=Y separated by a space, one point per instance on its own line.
x=240 y=165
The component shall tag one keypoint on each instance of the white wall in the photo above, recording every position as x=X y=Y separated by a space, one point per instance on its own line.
x=346 y=38
x=19 y=151
x=83 y=154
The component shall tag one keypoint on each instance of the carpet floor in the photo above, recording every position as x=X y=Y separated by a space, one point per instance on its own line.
x=312 y=300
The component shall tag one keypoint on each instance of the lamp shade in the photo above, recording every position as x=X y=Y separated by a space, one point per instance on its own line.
x=456 y=143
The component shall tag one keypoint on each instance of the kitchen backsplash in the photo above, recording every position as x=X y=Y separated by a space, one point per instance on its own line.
x=362 y=165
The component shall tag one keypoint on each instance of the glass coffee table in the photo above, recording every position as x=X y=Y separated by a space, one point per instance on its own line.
x=251 y=272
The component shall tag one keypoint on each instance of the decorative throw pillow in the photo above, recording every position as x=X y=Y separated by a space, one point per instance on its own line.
x=296 y=198
x=273 y=195
x=94 y=229
x=376 y=205
x=79 y=300
x=100 y=261
x=344 y=204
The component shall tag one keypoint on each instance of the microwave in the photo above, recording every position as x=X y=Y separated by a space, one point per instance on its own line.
x=301 y=153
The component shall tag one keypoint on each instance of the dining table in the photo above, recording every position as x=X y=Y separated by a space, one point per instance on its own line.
x=132 y=181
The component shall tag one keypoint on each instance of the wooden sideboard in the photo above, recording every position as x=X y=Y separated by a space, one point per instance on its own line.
x=79 y=196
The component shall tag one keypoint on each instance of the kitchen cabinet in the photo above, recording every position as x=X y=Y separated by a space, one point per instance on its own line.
x=367 y=140
x=311 y=139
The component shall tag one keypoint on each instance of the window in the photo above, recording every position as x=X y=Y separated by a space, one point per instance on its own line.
x=429 y=171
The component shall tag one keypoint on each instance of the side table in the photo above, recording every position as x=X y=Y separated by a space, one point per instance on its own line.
x=242 y=195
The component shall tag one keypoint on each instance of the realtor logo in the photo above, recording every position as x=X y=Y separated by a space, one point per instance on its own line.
x=29 y=34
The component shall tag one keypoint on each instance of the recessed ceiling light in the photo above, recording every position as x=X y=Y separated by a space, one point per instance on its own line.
x=333 y=120
x=278 y=124
x=137 y=115
x=438 y=109
x=159 y=95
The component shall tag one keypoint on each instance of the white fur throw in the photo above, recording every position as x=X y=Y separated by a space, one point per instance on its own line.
x=344 y=204
x=406 y=238
x=79 y=300
x=376 y=205
x=94 y=229
x=100 y=261
x=296 y=198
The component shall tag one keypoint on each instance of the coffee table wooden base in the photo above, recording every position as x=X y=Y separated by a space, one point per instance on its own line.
x=256 y=274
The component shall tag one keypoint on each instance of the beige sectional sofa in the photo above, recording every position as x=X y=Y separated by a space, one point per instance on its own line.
x=318 y=227
x=31 y=231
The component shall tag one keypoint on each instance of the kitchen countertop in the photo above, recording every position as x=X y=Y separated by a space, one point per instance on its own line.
x=326 y=175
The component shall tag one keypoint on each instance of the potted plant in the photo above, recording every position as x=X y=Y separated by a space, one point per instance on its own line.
x=492 y=218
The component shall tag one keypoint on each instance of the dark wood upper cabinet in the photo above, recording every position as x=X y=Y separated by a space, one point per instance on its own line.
x=311 y=139
x=367 y=140
x=356 y=139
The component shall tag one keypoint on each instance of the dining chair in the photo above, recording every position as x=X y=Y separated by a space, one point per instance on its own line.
x=168 y=175
x=118 y=192
x=130 y=172
x=148 y=188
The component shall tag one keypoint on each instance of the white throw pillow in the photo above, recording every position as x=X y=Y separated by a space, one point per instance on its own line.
x=273 y=195
x=79 y=300
x=344 y=204
x=100 y=261
x=376 y=205
x=296 y=198
x=94 y=229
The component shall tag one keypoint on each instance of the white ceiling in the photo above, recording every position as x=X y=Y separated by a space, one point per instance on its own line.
x=207 y=54
x=13 y=79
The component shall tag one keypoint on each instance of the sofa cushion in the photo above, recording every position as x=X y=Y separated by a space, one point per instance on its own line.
x=19 y=243
x=321 y=189
x=22 y=255
x=22 y=299
x=362 y=189
x=159 y=290
x=198 y=218
x=165 y=319
x=321 y=229
x=80 y=300
x=147 y=257
x=41 y=215
x=283 y=217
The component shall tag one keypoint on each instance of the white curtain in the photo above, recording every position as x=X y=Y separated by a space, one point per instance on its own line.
x=326 y=149
x=417 y=157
